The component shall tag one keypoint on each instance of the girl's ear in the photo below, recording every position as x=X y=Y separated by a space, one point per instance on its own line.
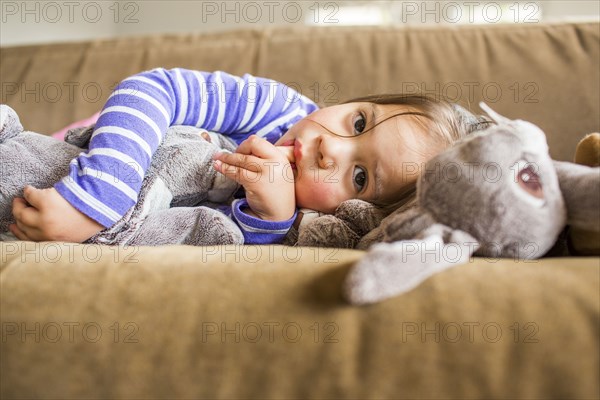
x=391 y=269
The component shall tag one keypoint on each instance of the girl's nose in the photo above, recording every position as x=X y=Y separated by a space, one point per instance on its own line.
x=333 y=151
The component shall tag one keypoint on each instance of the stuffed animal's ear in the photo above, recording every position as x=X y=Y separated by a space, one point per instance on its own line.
x=493 y=114
x=580 y=187
x=80 y=136
x=390 y=269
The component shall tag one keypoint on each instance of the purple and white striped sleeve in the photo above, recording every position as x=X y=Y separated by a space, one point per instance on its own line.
x=104 y=182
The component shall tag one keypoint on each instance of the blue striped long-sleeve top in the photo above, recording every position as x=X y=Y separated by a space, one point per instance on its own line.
x=104 y=182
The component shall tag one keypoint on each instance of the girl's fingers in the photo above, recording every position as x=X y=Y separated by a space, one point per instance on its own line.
x=18 y=205
x=259 y=147
x=288 y=152
x=236 y=173
x=34 y=196
x=246 y=146
x=244 y=161
x=23 y=213
x=19 y=234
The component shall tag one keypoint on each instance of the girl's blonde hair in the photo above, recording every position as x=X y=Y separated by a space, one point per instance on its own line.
x=446 y=122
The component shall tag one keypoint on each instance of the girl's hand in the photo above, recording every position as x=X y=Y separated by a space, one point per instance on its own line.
x=46 y=215
x=265 y=173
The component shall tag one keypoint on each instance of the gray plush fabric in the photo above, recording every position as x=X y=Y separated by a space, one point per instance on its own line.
x=177 y=195
x=580 y=186
x=27 y=158
x=473 y=187
x=353 y=219
x=390 y=269
x=480 y=197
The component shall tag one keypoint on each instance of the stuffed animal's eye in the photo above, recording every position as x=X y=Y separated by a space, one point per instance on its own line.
x=529 y=180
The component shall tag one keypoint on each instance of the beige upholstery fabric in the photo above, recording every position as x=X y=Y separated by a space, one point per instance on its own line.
x=546 y=73
x=269 y=322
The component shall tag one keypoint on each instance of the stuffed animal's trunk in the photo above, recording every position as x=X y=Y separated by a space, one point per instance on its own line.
x=580 y=186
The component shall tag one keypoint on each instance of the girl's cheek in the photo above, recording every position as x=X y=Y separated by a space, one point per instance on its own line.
x=326 y=196
x=318 y=190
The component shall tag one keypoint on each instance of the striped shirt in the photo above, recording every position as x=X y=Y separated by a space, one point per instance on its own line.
x=104 y=182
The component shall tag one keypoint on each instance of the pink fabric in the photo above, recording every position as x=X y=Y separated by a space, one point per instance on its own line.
x=60 y=135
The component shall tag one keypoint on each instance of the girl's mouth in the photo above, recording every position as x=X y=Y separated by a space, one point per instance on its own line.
x=288 y=142
x=292 y=149
x=297 y=151
x=289 y=151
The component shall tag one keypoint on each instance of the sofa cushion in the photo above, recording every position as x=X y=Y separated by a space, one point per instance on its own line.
x=83 y=321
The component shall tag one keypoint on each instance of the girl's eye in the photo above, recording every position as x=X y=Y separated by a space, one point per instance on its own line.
x=359 y=123
x=359 y=178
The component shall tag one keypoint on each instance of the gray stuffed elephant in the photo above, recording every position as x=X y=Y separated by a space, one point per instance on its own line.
x=177 y=201
x=496 y=193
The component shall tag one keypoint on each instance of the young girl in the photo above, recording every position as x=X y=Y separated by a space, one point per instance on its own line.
x=369 y=148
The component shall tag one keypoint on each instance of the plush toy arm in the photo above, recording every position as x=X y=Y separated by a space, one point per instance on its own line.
x=580 y=187
x=390 y=269
x=404 y=223
x=361 y=217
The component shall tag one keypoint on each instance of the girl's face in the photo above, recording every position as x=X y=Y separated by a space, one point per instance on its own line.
x=374 y=166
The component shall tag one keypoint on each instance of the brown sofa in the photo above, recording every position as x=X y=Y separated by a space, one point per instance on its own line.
x=268 y=321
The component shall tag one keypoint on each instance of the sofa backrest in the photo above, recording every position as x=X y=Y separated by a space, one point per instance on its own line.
x=544 y=73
